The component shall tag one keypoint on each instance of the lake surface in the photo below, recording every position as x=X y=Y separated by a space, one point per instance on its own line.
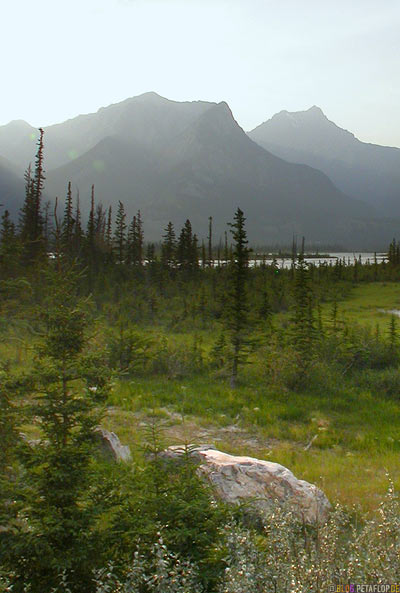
x=330 y=259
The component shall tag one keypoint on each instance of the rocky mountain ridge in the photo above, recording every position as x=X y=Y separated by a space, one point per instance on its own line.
x=176 y=160
x=364 y=171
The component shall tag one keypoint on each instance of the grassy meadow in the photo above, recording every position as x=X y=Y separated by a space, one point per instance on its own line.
x=341 y=432
x=367 y=304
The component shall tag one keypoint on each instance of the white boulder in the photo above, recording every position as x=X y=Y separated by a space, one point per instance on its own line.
x=237 y=479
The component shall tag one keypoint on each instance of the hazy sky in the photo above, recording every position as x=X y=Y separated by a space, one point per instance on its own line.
x=65 y=57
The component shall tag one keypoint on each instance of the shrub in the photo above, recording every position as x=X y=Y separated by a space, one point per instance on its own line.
x=288 y=557
x=161 y=572
x=129 y=351
x=381 y=383
x=178 y=360
x=281 y=555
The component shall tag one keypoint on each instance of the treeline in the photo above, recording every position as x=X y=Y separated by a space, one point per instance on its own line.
x=107 y=240
x=102 y=242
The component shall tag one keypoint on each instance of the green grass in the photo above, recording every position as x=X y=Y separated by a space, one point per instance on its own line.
x=365 y=303
x=353 y=421
x=357 y=442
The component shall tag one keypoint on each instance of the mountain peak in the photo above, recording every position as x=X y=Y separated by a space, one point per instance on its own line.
x=223 y=107
x=315 y=110
x=151 y=96
x=19 y=124
x=363 y=171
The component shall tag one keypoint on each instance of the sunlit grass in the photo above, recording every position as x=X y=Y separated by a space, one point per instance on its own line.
x=367 y=304
x=355 y=435
x=340 y=432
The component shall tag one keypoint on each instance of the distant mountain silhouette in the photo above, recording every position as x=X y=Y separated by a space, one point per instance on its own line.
x=363 y=171
x=17 y=144
x=11 y=188
x=177 y=160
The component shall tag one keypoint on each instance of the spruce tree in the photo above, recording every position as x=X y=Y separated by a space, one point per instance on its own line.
x=219 y=352
x=131 y=242
x=168 y=248
x=203 y=256
x=210 y=257
x=293 y=255
x=194 y=257
x=226 y=250
x=139 y=240
x=46 y=222
x=91 y=229
x=31 y=219
x=120 y=234
x=392 y=253
x=9 y=247
x=65 y=389
x=237 y=306
x=151 y=254
x=78 y=237
x=219 y=250
x=90 y=256
x=135 y=241
x=109 y=237
x=100 y=229
x=68 y=225
x=304 y=333
x=187 y=249
x=9 y=438
x=184 y=248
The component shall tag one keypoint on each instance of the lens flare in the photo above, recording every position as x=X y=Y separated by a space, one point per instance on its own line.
x=98 y=165
x=72 y=154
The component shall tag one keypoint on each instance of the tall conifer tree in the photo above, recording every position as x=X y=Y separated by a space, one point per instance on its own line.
x=31 y=220
x=237 y=306
x=210 y=257
x=77 y=238
x=68 y=224
x=304 y=333
x=168 y=248
x=120 y=234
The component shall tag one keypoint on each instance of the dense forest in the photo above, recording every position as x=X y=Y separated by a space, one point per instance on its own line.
x=93 y=318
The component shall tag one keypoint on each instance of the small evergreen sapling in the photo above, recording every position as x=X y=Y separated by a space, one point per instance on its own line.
x=304 y=331
x=66 y=388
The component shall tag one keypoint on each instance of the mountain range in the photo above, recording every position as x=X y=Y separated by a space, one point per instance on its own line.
x=11 y=188
x=177 y=160
x=364 y=171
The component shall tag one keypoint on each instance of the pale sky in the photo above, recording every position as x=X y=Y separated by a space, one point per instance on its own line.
x=61 y=58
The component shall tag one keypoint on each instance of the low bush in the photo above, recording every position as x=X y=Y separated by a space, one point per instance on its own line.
x=281 y=556
x=384 y=383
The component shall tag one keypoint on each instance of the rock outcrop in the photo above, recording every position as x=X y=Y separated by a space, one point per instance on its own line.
x=111 y=445
x=237 y=479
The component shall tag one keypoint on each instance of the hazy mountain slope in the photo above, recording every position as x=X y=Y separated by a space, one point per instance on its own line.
x=11 y=188
x=18 y=144
x=149 y=120
x=204 y=164
x=364 y=171
x=177 y=160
